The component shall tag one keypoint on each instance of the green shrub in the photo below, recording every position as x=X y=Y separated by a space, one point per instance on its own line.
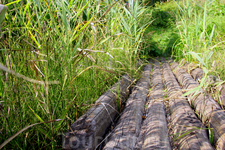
x=163 y=19
x=201 y=28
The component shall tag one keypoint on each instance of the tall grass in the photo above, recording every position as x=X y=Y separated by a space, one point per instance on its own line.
x=83 y=46
x=201 y=28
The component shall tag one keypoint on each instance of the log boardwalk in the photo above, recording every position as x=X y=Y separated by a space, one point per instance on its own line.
x=129 y=125
x=208 y=109
x=143 y=123
x=183 y=118
x=154 y=132
x=88 y=130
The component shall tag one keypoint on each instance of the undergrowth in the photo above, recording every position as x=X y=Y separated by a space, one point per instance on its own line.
x=56 y=58
x=201 y=28
x=161 y=36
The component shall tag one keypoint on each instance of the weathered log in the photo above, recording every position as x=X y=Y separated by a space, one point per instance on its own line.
x=183 y=119
x=197 y=74
x=208 y=109
x=88 y=130
x=125 y=134
x=154 y=132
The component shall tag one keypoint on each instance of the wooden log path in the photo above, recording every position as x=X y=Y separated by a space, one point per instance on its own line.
x=129 y=125
x=156 y=115
x=183 y=118
x=154 y=133
x=207 y=108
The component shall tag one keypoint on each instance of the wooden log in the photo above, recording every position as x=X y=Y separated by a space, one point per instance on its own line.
x=183 y=119
x=87 y=132
x=154 y=132
x=208 y=109
x=197 y=74
x=125 y=134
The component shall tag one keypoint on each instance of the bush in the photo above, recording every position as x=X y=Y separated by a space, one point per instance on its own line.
x=162 y=18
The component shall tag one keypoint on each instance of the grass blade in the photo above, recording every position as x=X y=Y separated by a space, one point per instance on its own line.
x=195 y=55
x=17 y=1
x=24 y=129
x=26 y=78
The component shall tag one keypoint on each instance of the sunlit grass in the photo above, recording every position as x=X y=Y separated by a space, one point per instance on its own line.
x=202 y=34
x=84 y=45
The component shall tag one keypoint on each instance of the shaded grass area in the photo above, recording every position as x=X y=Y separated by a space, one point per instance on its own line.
x=161 y=41
x=162 y=35
x=190 y=30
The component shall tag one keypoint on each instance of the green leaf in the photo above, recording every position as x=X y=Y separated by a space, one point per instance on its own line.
x=186 y=133
x=210 y=55
x=124 y=23
x=81 y=30
x=76 y=46
x=36 y=115
x=219 y=83
x=203 y=81
x=195 y=55
x=211 y=36
x=211 y=135
x=17 y=1
x=64 y=17
x=205 y=71
x=192 y=91
x=104 y=40
x=26 y=8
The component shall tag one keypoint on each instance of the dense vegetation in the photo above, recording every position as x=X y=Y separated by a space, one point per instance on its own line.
x=201 y=30
x=57 y=57
x=76 y=49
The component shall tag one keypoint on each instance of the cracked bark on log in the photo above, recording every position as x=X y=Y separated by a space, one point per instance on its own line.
x=128 y=128
x=87 y=132
x=183 y=118
x=208 y=109
x=154 y=132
